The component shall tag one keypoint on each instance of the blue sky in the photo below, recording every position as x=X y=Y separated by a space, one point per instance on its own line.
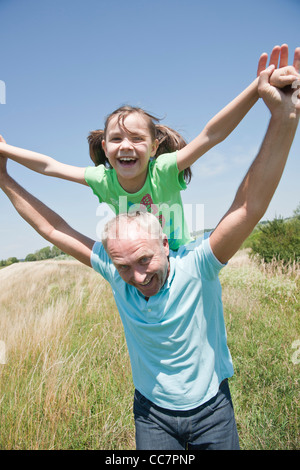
x=66 y=64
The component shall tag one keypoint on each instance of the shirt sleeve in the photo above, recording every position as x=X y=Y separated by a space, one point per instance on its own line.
x=96 y=178
x=166 y=171
x=101 y=262
x=207 y=265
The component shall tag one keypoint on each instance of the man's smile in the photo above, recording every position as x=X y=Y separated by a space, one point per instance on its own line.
x=146 y=282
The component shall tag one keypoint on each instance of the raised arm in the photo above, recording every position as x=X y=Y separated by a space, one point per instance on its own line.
x=42 y=163
x=257 y=189
x=221 y=125
x=46 y=222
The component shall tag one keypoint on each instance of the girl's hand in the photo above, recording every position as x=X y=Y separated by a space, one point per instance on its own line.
x=1 y=141
x=285 y=74
x=281 y=103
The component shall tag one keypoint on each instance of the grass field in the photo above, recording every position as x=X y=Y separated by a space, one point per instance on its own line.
x=66 y=382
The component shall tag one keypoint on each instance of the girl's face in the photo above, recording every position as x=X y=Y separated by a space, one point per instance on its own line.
x=128 y=149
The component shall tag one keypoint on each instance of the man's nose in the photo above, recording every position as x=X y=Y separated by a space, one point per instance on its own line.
x=139 y=276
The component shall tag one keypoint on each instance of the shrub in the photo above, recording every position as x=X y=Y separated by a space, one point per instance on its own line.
x=278 y=239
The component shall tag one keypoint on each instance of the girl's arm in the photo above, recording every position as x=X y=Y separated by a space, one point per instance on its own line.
x=42 y=163
x=257 y=188
x=221 y=125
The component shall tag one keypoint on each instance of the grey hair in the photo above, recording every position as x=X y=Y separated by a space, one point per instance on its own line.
x=116 y=228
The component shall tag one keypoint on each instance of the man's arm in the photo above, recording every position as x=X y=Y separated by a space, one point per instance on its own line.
x=46 y=222
x=257 y=189
x=221 y=125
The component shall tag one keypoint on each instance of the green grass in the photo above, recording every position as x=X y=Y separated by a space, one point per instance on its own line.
x=67 y=381
x=262 y=317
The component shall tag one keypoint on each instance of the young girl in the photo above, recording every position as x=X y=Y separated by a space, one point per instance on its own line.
x=128 y=172
x=130 y=176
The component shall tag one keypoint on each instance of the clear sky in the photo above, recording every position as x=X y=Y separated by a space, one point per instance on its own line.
x=66 y=64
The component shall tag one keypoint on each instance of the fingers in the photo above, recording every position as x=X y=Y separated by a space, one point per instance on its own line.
x=296 y=62
x=284 y=56
x=262 y=63
x=275 y=56
x=265 y=75
x=284 y=81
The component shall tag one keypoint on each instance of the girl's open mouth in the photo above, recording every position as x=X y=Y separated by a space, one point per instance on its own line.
x=127 y=161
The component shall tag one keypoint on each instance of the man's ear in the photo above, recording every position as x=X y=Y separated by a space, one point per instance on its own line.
x=166 y=245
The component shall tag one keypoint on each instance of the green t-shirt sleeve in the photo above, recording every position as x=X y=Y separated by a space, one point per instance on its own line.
x=96 y=178
x=166 y=171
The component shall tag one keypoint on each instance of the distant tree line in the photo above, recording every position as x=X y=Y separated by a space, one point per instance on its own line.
x=44 y=253
x=8 y=261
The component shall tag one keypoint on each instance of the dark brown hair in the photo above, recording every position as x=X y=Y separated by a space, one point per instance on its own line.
x=169 y=140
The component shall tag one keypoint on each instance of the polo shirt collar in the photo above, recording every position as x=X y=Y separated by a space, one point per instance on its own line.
x=169 y=279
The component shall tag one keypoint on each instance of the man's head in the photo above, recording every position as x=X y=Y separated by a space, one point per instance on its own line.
x=139 y=250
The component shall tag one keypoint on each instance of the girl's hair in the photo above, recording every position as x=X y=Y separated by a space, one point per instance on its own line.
x=169 y=140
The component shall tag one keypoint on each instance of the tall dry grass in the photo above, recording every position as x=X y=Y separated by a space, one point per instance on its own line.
x=67 y=381
x=67 y=378
x=261 y=304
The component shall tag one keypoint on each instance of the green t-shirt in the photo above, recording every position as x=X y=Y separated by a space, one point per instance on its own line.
x=160 y=195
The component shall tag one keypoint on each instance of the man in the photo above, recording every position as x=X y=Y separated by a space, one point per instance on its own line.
x=170 y=303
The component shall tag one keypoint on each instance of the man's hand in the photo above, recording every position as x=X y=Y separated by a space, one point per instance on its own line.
x=3 y=160
x=281 y=103
x=285 y=74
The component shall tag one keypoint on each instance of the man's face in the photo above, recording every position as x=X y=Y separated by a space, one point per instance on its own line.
x=141 y=261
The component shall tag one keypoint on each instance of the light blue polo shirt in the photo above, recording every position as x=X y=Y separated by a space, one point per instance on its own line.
x=177 y=339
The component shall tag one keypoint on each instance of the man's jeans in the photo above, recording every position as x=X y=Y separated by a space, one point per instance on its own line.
x=210 y=426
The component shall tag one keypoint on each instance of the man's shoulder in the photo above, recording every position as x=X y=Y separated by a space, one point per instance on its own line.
x=197 y=258
x=100 y=260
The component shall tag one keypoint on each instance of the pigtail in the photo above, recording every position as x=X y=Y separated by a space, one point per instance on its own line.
x=170 y=141
x=97 y=153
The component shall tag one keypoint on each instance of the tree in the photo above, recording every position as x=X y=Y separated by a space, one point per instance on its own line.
x=56 y=252
x=11 y=260
x=31 y=257
x=44 y=253
x=278 y=239
x=297 y=212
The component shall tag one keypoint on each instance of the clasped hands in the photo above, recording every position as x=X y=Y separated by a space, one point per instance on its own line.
x=279 y=87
